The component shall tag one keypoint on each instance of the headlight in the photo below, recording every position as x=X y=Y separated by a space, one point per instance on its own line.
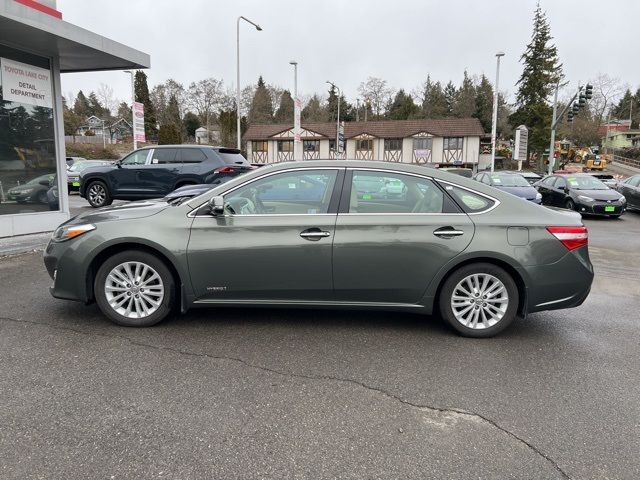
x=68 y=232
x=584 y=198
x=538 y=196
x=622 y=200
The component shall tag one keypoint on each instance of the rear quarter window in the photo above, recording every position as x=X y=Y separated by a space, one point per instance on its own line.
x=231 y=156
x=469 y=201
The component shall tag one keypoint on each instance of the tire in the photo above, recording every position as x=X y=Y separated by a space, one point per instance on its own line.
x=98 y=195
x=570 y=205
x=42 y=197
x=460 y=312
x=126 y=303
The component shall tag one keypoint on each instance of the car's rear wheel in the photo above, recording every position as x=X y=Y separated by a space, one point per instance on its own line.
x=479 y=300
x=570 y=205
x=98 y=195
x=134 y=289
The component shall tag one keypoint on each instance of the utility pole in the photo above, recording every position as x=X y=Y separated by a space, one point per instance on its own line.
x=337 y=121
x=494 y=120
x=296 y=113
x=552 y=143
x=259 y=28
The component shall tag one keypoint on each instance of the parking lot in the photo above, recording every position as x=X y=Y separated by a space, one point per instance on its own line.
x=254 y=393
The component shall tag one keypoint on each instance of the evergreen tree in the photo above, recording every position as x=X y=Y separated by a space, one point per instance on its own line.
x=284 y=114
x=314 y=111
x=81 y=106
x=261 y=110
x=191 y=123
x=228 y=126
x=96 y=108
x=484 y=103
x=624 y=107
x=402 y=107
x=169 y=135
x=542 y=70
x=450 y=98
x=124 y=111
x=142 y=96
x=434 y=104
x=465 y=103
x=346 y=110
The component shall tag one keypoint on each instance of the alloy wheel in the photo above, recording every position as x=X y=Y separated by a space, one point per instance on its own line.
x=134 y=290
x=97 y=194
x=479 y=301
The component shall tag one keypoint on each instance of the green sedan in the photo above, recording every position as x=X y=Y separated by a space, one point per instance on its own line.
x=444 y=244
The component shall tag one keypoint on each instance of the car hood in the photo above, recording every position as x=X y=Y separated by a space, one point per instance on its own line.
x=97 y=169
x=522 y=192
x=131 y=210
x=601 y=195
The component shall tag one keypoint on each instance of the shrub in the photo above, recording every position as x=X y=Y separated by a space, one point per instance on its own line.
x=91 y=151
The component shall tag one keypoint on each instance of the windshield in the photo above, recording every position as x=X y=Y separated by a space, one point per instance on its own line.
x=509 y=181
x=586 y=183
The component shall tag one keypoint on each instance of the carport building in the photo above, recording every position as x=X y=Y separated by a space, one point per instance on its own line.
x=36 y=46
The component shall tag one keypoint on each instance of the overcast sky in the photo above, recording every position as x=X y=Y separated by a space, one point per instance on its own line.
x=401 y=41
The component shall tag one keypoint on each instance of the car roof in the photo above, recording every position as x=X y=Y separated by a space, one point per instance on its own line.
x=187 y=145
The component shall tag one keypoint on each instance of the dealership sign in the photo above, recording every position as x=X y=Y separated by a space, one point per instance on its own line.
x=26 y=84
x=138 y=122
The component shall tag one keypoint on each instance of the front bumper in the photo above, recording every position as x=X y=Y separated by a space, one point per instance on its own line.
x=70 y=281
x=601 y=208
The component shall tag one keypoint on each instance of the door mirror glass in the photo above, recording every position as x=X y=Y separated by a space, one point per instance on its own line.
x=216 y=205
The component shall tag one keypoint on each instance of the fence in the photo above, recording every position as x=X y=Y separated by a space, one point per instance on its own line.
x=630 y=162
x=96 y=139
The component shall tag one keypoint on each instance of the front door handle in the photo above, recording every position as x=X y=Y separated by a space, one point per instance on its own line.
x=448 y=232
x=314 y=234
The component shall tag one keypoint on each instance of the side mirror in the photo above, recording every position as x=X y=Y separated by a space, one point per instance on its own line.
x=44 y=183
x=216 y=205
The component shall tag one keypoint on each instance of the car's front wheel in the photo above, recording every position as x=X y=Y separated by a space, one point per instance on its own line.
x=570 y=205
x=479 y=300
x=98 y=194
x=134 y=289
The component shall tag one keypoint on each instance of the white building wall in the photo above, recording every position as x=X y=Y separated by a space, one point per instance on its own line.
x=324 y=149
x=351 y=149
x=407 y=150
x=436 y=150
x=471 y=152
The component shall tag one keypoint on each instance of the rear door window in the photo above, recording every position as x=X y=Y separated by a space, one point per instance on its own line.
x=165 y=155
x=192 y=155
x=560 y=183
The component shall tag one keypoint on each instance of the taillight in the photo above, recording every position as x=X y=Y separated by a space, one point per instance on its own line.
x=224 y=170
x=571 y=237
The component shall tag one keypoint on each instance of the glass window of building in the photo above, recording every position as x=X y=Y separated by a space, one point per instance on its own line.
x=27 y=134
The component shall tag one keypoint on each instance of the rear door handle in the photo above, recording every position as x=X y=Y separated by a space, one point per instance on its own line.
x=314 y=234
x=447 y=232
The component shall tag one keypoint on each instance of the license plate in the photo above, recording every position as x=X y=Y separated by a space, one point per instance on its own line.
x=75 y=184
x=609 y=209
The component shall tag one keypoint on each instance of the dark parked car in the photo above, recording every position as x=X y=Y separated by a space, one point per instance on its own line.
x=463 y=172
x=73 y=172
x=581 y=192
x=475 y=254
x=53 y=197
x=514 y=183
x=630 y=188
x=34 y=191
x=153 y=172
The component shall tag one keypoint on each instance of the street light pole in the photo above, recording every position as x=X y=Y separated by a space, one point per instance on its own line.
x=133 y=115
x=494 y=120
x=296 y=112
x=337 y=119
x=259 y=28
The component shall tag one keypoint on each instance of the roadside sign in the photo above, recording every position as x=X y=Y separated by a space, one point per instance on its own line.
x=521 y=143
x=138 y=122
x=341 y=138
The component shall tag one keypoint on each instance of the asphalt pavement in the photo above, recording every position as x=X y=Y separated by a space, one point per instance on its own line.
x=257 y=393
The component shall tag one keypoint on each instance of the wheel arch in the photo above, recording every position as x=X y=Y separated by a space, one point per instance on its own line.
x=435 y=288
x=87 y=181
x=156 y=250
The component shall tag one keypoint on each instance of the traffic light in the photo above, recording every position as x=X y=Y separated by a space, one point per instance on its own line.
x=588 y=91
x=576 y=108
x=582 y=100
x=570 y=116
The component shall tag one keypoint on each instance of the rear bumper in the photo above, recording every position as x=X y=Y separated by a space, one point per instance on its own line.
x=563 y=284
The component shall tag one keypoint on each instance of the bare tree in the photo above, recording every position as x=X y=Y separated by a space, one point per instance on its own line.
x=105 y=95
x=205 y=98
x=377 y=92
x=606 y=93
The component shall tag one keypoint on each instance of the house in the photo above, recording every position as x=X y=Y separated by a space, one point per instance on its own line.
x=619 y=139
x=115 y=131
x=446 y=141
x=208 y=137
